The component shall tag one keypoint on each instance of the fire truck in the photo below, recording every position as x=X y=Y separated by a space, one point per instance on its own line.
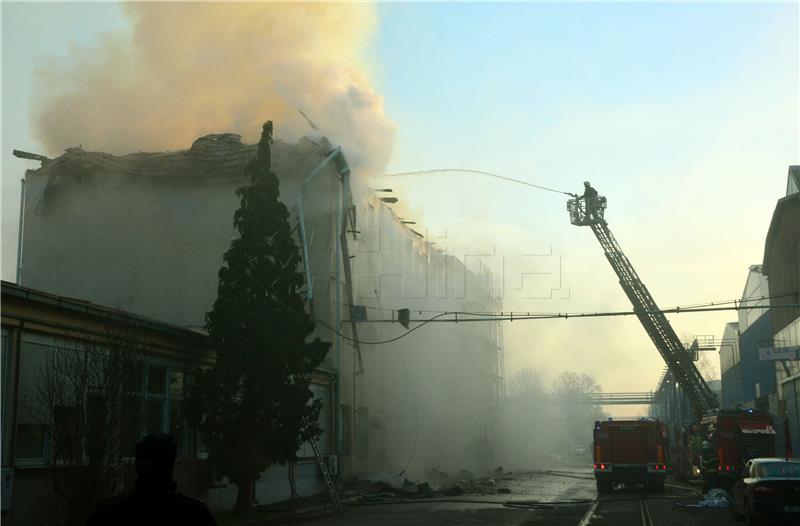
x=630 y=452
x=724 y=439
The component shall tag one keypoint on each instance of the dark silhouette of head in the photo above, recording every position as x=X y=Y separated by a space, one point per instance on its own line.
x=155 y=456
x=587 y=184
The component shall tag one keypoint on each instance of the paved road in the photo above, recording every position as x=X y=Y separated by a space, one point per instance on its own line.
x=543 y=497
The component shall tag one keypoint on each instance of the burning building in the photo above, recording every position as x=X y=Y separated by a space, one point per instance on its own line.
x=146 y=232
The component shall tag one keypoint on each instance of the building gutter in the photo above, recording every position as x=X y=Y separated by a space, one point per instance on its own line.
x=21 y=230
x=302 y=219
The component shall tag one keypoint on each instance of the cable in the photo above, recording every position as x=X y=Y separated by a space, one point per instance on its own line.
x=425 y=322
x=549 y=316
x=479 y=172
x=416 y=416
x=681 y=308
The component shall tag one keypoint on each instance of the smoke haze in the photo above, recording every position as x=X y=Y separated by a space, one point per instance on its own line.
x=189 y=69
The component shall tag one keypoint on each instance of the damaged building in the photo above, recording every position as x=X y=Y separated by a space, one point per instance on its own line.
x=145 y=233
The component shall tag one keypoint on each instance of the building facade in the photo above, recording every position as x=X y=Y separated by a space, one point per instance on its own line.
x=146 y=233
x=36 y=326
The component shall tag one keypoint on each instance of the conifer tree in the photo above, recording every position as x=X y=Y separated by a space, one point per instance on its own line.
x=252 y=408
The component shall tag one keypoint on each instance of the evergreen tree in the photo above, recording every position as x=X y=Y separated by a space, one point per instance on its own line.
x=252 y=408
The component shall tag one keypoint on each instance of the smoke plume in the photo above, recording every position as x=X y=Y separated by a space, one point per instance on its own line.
x=189 y=69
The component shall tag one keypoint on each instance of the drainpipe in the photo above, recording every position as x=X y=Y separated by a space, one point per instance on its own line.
x=302 y=216
x=21 y=229
x=332 y=155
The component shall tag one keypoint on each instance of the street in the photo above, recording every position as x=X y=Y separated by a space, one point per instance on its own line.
x=563 y=496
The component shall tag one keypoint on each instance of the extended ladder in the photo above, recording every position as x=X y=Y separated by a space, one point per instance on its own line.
x=678 y=360
x=326 y=475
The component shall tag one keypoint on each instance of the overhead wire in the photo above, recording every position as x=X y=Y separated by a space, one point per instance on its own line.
x=478 y=172
x=687 y=306
x=502 y=316
x=422 y=324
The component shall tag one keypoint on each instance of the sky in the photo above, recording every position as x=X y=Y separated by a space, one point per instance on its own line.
x=685 y=115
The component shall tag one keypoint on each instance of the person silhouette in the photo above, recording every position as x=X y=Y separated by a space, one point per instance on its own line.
x=154 y=499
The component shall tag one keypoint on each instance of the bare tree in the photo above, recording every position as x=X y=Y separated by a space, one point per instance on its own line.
x=525 y=382
x=578 y=412
x=90 y=392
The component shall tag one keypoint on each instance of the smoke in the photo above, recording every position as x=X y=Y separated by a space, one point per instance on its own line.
x=189 y=69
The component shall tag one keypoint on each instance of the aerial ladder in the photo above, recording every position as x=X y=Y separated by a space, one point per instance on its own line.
x=678 y=360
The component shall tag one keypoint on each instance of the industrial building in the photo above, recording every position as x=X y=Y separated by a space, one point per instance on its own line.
x=782 y=267
x=145 y=233
x=747 y=380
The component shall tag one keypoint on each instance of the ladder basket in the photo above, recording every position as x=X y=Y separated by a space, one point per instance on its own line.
x=577 y=211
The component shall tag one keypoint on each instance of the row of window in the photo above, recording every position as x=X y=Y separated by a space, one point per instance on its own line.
x=152 y=404
x=154 y=409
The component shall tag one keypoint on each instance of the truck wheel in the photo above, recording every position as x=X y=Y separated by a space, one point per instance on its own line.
x=604 y=486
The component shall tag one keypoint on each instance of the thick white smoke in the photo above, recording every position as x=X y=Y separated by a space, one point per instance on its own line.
x=188 y=69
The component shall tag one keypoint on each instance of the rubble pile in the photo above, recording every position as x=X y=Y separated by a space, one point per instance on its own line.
x=437 y=484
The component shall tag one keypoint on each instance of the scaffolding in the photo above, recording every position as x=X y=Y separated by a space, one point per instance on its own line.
x=490 y=300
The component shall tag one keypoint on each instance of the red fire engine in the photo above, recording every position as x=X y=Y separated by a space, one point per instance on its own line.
x=630 y=451
x=728 y=439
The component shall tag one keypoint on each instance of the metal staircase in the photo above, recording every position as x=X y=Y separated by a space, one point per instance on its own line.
x=678 y=360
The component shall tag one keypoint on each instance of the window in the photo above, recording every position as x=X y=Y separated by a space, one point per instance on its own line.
x=66 y=445
x=158 y=409
x=163 y=402
x=156 y=380
x=31 y=441
x=33 y=420
x=780 y=469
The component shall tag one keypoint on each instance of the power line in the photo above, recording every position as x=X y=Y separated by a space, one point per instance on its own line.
x=422 y=324
x=682 y=308
x=472 y=317
x=468 y=316
x=479 y=172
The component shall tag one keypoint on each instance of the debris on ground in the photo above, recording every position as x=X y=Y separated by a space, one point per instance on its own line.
x=424 y=489
x=715 y=498
x=437 y=474
x=438 y=484
x=465 y=474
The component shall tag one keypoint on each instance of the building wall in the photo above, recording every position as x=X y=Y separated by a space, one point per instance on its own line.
x=747 y=381
x=782 y=265
x=730 y=366
x=758 y=376
x=788 y=374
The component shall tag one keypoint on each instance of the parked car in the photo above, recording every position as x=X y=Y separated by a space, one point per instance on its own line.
x=768 y=490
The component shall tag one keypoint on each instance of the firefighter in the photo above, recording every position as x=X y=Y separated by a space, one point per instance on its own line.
x=590 y=198
x=709 y=462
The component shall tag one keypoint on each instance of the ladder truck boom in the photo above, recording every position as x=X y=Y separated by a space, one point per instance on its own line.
x=678 y=360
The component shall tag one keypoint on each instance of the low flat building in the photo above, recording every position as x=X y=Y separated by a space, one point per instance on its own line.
x=36 y=326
